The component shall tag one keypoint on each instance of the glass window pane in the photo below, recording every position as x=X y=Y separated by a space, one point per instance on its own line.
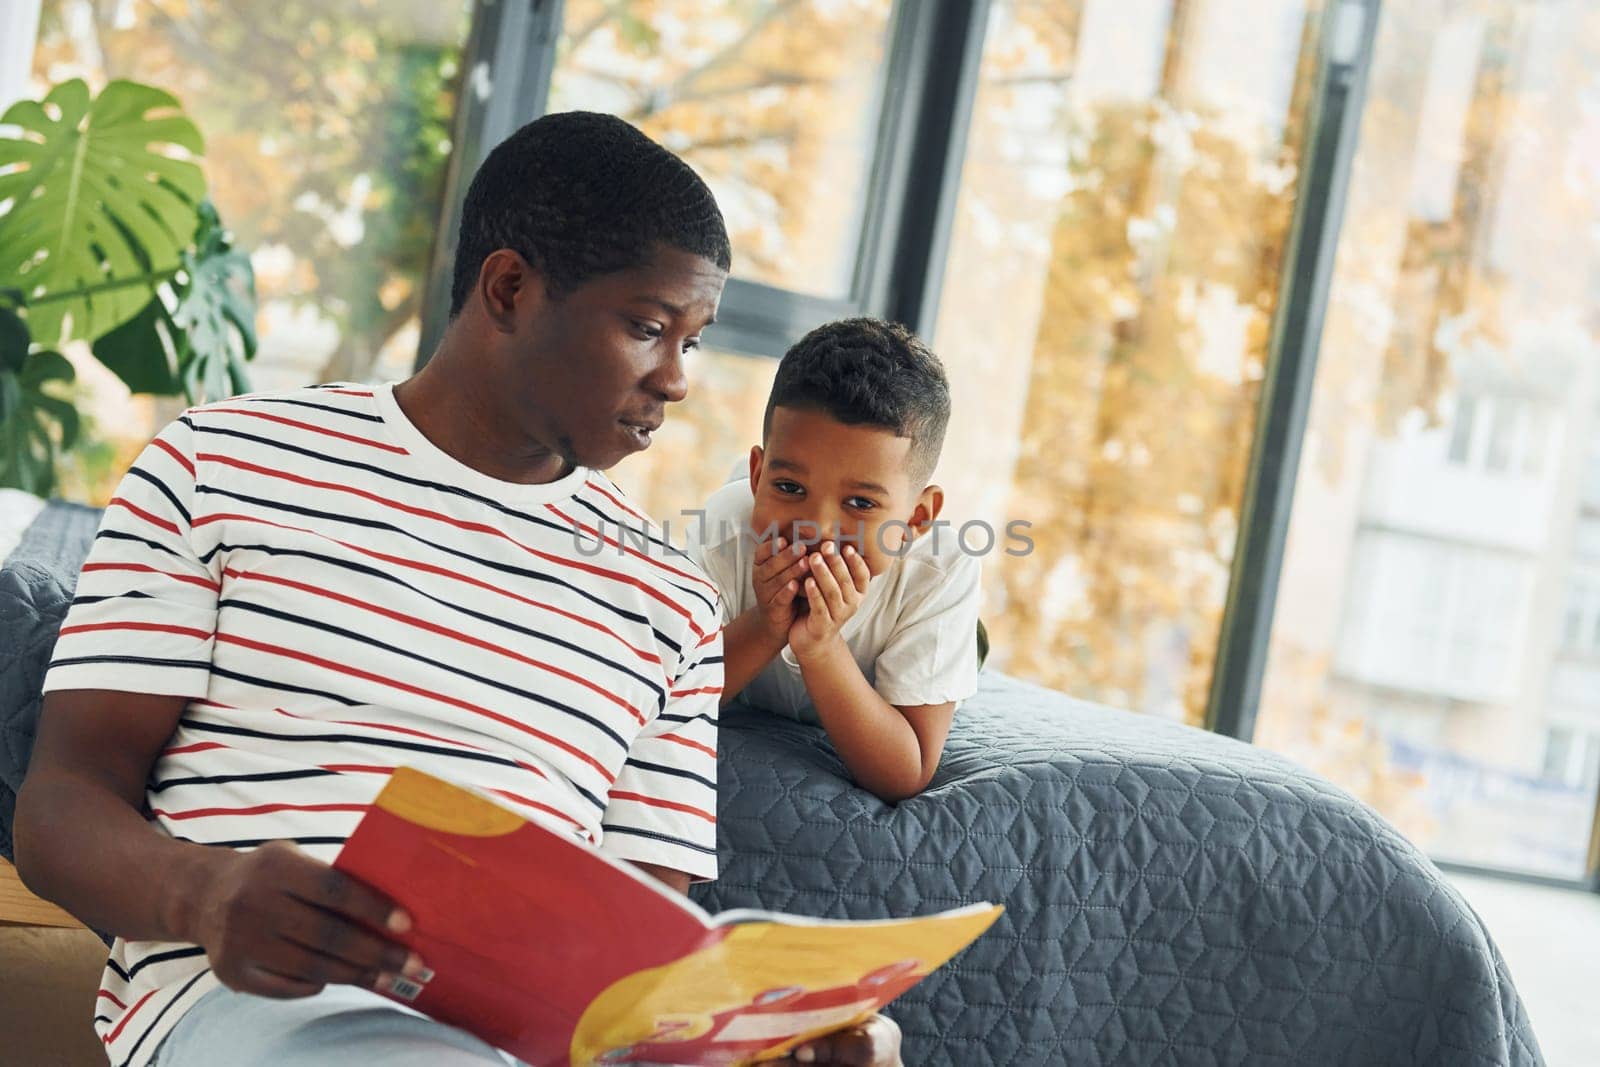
x=1474 y=293
x=327 y=130
x=1120 y=231
x=776 y=105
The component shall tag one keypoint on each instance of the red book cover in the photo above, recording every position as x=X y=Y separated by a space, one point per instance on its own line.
x=560 y=955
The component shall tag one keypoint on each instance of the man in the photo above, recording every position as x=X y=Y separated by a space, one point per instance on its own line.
x=293 y=594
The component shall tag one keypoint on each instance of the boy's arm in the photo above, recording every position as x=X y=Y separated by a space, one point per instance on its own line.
x=748 y=645
x=891 y=751
x=752 y=640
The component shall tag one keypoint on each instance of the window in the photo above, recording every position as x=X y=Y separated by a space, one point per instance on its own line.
x=1442 y=301
x=1125 y=205
x=327 y=130
x=775 y=105
x=1461 y=429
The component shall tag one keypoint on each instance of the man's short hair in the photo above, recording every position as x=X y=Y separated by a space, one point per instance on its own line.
x=578 y=195
x=867 y=372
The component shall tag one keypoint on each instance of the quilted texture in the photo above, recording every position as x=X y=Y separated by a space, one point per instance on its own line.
x=36 y=586
x=1172 y=896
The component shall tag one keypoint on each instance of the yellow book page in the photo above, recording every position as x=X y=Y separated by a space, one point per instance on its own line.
x=770 y=983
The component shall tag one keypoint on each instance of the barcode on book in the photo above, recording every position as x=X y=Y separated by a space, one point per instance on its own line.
x=404 y=988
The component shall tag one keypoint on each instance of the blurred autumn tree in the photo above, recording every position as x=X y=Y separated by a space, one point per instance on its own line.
x=774 y=102
x=1160 y=221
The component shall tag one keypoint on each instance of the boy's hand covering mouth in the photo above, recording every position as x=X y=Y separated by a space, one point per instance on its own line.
x=832 y=593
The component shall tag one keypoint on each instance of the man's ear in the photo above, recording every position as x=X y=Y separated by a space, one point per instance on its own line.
x=757 y=458
x=510 y=290
x=929 y=503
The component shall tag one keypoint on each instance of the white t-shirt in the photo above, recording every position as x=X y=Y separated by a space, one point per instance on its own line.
x=337 y=597
x=914 y=636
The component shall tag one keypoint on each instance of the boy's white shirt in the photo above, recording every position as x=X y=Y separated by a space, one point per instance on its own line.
x=914 y=635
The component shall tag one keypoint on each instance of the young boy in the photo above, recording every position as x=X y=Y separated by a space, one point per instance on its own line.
x=844 y=602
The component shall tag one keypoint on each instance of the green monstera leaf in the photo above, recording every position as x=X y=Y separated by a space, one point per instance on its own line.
x=217 y=313
x=27 y=413
x=97 y=208
x=195 y=335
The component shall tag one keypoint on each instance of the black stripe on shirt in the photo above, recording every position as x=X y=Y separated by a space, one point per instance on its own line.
x=653 y=835
x=505 y=568
x=119 y=535
x=145 y=661
x=676 y=772
x=380 y=742
x=163 y=784
x=655 y=686
x=257 y=842
x=346 y=412
x=417 y=657
x=172 y=498
x=162 y=1014
x=668 y=550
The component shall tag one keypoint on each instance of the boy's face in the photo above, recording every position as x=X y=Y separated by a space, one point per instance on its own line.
x=818 y=474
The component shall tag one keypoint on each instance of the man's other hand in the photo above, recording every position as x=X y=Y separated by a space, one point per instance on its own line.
x=277 y=923
x=874 y=1043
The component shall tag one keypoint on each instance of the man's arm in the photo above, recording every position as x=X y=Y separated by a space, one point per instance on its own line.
x=666 y=875
x=273 y=921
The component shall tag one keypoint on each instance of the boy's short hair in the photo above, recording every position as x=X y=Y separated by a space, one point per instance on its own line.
x=868 y=372
x=578 y=195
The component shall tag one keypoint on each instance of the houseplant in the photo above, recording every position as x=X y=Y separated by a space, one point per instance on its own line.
x=106 y=237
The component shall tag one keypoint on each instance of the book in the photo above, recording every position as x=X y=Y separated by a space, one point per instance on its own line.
x=547 y=948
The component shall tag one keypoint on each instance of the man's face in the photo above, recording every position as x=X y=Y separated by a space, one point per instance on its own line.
x=590 y=373
x=818 y=474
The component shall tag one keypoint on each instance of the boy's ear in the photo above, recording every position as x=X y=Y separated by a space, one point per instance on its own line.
x=757 y=457
x=929 y=503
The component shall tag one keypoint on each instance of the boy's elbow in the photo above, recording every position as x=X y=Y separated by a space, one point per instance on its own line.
x=894 y=789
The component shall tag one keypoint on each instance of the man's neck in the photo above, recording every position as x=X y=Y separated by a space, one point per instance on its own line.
x=452 y=404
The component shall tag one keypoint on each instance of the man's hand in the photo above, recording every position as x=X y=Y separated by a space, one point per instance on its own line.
x=874 y=1043
x=277 y=923
x=834 y=590
x=777 y=571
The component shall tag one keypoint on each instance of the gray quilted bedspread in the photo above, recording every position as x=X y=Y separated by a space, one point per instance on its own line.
x=1173 y=897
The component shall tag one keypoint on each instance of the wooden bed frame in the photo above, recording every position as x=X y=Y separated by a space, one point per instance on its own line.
x=18 y=907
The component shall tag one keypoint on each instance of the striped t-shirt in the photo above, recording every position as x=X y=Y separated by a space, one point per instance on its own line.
x=337 y=597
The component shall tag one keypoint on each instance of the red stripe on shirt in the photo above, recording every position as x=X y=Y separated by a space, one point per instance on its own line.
x=443 y=631
x=259 y=809
x=183 y=460
x=632 y=551
x=686 y=743
x=416 y=690
x=657 y=802
x=155 y=627
x=564 y=562
x=428 y=568
x=312 y=427
x=105 y=994
x=601 y=489
x=127 y=1017
x=363 y=768
x=144 y=568
x=153 y=520
x=198 y=746
x=705 y=689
